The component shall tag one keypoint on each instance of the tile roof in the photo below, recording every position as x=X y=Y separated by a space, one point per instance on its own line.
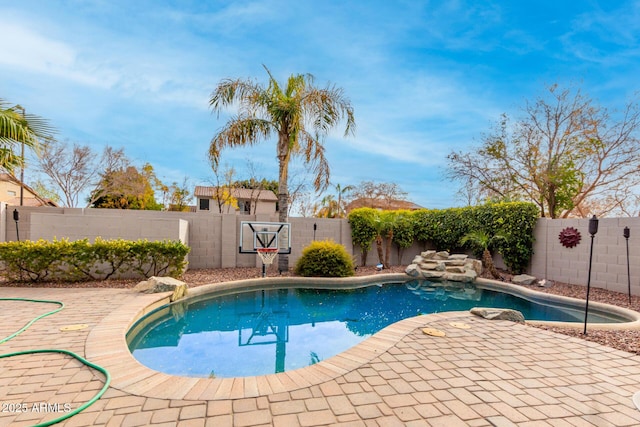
x=381 y=204
x=238 y=193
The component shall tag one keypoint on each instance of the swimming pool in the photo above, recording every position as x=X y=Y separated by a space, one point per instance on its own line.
x=262 y=331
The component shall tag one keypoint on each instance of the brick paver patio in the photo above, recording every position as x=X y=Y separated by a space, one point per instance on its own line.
x=492 y=374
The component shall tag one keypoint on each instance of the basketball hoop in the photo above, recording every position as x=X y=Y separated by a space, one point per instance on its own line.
x=267 y=255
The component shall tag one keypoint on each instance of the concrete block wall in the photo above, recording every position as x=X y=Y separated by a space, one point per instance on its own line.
x=213 y=239
x=76 y=227
x=3 y=220
x=553 y=261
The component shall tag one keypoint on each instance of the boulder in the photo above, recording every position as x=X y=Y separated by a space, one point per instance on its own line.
x=458 y=257
x=475 y=265
x=498 y=314
x=155 y=285
x=442 y=255
x=428 y=254
x=466 y=277
x=523 y=279
x=412 y=270
x=455 y=269
x=429 y=265
x=432 y=274
x=544 y=283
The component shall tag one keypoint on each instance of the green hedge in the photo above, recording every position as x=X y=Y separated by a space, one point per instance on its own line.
x=62 y=260
x=363 y=229
x=444 y=228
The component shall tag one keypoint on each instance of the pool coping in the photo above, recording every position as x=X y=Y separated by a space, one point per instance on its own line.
x=543 y=297
x=106 y=344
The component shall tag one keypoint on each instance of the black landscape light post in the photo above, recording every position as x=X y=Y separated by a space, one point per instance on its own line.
x=593 y=229
x=16 y=218
x=627 y=233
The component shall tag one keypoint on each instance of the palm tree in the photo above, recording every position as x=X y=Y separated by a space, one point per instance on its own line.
x=342 y=192
x=298 y=114
x=17 y=128
x=482 y=241
x=329 y=207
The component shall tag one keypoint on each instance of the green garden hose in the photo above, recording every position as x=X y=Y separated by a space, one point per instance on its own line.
x=106 y=374
x=2 y=341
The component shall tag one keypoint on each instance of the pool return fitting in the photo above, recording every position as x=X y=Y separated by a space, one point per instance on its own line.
x=82 y=360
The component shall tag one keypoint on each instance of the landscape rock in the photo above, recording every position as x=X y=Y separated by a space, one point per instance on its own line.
x=475 y=265
x=466 y=277
x=523 y=279
x=498 y=314
x=155 y=285
x=412 y=270
x=442 y=265
x=429 y=265
x=428 y=254
x=432 y=274
x=544 y=283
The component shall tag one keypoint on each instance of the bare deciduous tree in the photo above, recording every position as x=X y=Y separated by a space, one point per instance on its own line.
x=179 y=196
x=223 y=184
x=566 y=154
x=385 y=192
x=74 y=168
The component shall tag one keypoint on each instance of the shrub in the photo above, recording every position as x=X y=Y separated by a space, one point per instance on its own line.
x=80 y=260
x=403 y=231
x=325 y=259
x=363 y=229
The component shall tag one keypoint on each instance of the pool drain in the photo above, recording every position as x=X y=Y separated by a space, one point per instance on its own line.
x=433 y=332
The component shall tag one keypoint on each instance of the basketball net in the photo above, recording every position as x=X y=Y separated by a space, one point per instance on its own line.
x=267 y=255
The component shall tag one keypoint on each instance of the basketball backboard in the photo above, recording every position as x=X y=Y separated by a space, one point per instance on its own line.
x=254 y=235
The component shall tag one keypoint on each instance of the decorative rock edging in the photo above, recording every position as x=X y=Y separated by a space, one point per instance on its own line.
x=441 y=265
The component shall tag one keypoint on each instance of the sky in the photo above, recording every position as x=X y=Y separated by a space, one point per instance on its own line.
x=424 y=77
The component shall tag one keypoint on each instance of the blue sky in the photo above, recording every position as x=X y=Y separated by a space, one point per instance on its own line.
x=424 y=77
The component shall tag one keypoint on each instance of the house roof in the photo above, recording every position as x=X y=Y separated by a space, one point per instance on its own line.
x=382 y=204
x=34 y=200
x=238 y=193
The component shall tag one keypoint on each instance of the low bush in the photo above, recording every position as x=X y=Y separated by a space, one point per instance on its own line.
x=325 y=259
x=61 y=260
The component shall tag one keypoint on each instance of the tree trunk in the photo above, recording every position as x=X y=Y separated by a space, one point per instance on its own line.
x=387 y=255
x=283 y=192
x=487 y=260
x=379 y=248
x=363 y=257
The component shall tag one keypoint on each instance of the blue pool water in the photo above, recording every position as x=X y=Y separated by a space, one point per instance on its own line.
x=267 y=331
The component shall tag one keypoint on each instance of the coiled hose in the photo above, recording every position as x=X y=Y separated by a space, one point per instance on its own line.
x=69 y=353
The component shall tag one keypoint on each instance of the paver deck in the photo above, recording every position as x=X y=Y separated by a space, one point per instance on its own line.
x=492 y=374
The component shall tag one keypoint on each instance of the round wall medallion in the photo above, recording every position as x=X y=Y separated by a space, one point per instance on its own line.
x=569 y=237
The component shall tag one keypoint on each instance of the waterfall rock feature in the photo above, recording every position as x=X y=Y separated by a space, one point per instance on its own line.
x=441 y=265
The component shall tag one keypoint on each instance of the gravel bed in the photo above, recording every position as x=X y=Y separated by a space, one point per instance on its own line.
x=622 y=340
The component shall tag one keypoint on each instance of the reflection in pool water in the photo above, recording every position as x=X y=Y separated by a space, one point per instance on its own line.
x=267 y=331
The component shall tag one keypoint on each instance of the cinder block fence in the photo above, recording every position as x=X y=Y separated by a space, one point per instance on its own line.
x=213 y=239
